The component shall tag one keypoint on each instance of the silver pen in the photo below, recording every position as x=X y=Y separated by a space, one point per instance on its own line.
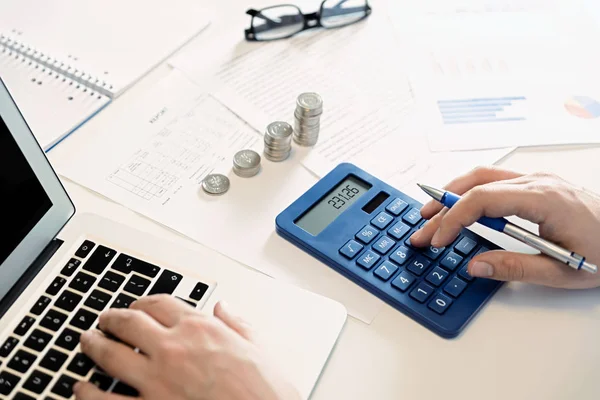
x=567 y=257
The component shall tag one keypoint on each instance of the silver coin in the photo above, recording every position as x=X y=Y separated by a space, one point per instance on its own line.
x=246 y=159
x=310 y=101
x=279 y=129
x=215 y=184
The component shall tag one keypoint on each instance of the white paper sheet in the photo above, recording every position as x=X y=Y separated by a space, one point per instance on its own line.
x=356 y=70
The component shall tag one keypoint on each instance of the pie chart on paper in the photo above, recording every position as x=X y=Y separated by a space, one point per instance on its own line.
x=583 y=107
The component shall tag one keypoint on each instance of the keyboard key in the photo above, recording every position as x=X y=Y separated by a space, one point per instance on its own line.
x=455 y=287
x=419 y=265
x=83 y=319
x=396 y=207
x=81 y=364
x=68 y=300
x=137 y=285
x=126 y=264
x=56 y=285
x=437 y=276
x=8 y=382
x=421 y=292
x=53 y=360
x=82 y=282
x=101 y=381
x=368 y=259
x=440 y=303
x=122 y=301
x=465 y=246
x=8 y=346
x=22 y=361
x=53 y=320
x=401 y=255
x=199 y=291
x=167 y=283
x=24 y=326
x=451 y=261
x=37 y=382
x=463 y=273
x=412 y=217
x=367 y=234
x=97 y=300
x=385 y=270
x=351 y=249
x=85 y=249
x=99 y=260
x=383 y=245
x=22 y=396
x=382 y=220
x=71 y=267
x=39 y=307
x=68 y=339
x=403 y=281
x=398 y=230
x=434 y=252
x=64 y=386
x=125 y=390
x=38 y=340
x=111 y=281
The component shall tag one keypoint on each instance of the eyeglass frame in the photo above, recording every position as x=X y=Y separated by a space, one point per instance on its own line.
x=311 y=20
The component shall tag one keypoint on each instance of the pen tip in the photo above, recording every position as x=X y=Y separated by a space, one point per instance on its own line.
x=419 y=185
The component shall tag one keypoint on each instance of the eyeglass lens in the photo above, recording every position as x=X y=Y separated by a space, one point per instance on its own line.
x=336 y=13
x=277 y=22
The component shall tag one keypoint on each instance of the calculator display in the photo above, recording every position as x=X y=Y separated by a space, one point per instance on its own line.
x=334 y=204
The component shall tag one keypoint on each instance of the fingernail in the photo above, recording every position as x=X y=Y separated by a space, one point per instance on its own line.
x=416 y=235
x=481 y=269
x=86 y=337
x=224 y=305
x=435 y=240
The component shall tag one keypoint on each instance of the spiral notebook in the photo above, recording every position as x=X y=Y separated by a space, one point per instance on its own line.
x=64 y=60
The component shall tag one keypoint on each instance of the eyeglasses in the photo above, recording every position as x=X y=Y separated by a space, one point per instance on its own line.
x=284 y=21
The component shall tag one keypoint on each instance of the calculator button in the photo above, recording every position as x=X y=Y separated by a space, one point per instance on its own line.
x=463 y=273
x=437 y=276
x=396 y=206
x=385 y=270
x=401 y=255
x=398 y=230
x=419 y=265
x=440 y=303
x=421 y=292
x=351 y=249
x=465 y=246
x=383 y=245
x=367 y=234
x=483 y=249
x=451 y=261
x=455 y=287
x=403 y=281
x=368 y=259
x=413 y=216
x=382 y=220
x=433 y=252
x=408 y=243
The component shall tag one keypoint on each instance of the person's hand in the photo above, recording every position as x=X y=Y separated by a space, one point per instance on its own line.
x=182 y=355
x=567 y=215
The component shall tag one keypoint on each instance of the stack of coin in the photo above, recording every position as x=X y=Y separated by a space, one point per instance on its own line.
x=215 y=184
x=278 y=141
x=309 y=107
x=246 y=163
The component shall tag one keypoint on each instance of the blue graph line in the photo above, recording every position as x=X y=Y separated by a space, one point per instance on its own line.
x=500 y=99
x=469 y=116
x=474 y=121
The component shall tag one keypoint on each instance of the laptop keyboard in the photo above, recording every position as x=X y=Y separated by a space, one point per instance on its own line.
x=41 y=357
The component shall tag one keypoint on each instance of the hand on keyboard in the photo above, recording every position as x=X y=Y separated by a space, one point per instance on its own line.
x=182 y=354
x=566 y=214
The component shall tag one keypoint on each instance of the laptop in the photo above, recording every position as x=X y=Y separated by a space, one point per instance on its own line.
x=59 y=270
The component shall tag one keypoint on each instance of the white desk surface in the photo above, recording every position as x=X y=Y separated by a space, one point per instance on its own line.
x=528 y=343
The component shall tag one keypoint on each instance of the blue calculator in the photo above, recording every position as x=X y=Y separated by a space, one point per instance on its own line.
x=360 y=227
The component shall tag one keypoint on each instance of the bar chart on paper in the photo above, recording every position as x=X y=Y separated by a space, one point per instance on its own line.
x=482 y=110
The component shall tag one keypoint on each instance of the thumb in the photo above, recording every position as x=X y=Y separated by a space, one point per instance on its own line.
x=223 y=312
x=538 y=269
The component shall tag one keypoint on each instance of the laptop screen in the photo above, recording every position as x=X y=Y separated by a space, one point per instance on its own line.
x=23 y=200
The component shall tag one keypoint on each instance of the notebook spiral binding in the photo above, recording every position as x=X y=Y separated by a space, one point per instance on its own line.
x=56 y=65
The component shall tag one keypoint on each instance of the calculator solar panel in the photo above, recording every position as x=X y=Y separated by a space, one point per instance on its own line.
x=360 y=227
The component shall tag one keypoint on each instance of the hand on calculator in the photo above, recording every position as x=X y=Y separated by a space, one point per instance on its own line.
x=183 y=354
x=567 y=215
